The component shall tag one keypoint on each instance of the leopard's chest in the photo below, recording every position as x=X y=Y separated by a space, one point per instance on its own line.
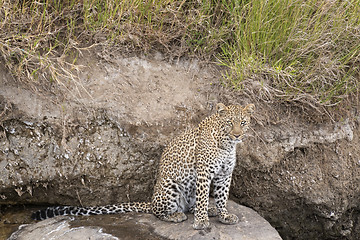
x=225 y=162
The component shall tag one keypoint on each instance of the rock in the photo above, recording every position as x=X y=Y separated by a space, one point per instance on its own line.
x=146 y=226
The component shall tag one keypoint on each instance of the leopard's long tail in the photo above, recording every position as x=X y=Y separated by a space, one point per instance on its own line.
x=144 y=207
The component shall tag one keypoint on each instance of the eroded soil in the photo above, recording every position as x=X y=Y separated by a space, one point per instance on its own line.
x=99 y=141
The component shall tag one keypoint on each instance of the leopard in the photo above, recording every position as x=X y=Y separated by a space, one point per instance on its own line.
x=194 y=165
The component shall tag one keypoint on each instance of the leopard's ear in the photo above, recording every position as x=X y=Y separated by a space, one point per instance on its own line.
x=249 y=109
x=221 y=108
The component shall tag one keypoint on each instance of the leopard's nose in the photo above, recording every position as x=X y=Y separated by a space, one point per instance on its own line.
x=237 y=135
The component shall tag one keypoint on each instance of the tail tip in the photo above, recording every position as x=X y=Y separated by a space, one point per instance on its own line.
x=36 y=215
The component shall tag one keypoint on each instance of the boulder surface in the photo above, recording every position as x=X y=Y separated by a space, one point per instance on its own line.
x=146 y=226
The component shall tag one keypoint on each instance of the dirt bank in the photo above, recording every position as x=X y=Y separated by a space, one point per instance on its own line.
x=100 y=140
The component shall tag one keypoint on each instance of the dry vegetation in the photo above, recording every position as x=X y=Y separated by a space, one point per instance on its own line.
x=304 y=51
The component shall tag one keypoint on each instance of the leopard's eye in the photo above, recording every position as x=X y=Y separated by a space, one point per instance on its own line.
x=242 y=123
x=229 y=122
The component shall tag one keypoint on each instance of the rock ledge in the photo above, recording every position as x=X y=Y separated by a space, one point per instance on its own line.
x=146 y=226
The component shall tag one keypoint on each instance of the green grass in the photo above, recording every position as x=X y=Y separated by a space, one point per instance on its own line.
x=306 y=51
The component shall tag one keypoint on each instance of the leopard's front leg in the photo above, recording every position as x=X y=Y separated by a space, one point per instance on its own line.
x=221 y=194
x=201 y=219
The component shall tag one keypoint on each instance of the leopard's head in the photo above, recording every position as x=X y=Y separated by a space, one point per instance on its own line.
x=235 y=119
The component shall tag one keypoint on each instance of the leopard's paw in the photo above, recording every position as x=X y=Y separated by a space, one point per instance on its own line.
x=212 y=212
x=201 y=224
x=228 y=218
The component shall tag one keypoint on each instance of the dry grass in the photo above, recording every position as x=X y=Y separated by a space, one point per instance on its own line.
x=302 y=51
x=36 y=41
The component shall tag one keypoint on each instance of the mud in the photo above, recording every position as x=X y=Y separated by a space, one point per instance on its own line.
x=99 y=142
